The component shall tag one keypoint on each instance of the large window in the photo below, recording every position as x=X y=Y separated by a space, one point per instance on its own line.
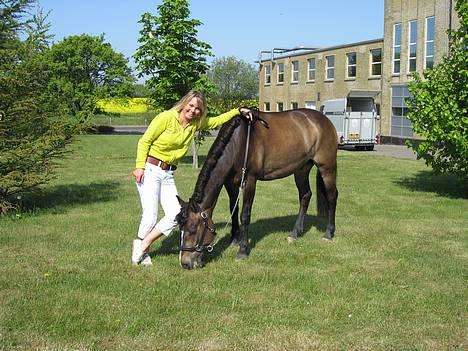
x=295 y=71
x=351 y=71
x=412 y=45
x=330 y=73
x=376 y=62
x=429 y=49
x=294 y=105
x=311 y=69
x=266 y=106
x=280 y=76
x=279 y=106
x=401 y=125
x=396 y=48
x=267 y=74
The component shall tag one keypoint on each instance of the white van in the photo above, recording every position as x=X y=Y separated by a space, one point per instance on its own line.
x=355 y=118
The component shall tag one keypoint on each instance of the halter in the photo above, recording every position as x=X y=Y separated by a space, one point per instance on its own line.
x=199 y=247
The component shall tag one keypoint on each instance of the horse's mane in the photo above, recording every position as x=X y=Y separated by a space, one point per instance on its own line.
x=215 y=152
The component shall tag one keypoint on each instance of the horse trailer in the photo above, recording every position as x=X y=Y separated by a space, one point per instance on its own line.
x=355 y=119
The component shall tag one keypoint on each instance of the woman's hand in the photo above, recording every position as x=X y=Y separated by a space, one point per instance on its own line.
x=139 y=174
x=246 y=113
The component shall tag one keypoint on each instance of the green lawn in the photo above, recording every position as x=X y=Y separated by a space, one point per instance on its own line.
x=394 y=278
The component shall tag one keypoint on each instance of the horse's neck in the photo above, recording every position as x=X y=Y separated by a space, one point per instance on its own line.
x=223 y=167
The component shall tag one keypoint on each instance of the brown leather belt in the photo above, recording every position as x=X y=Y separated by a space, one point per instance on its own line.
x=163 y=165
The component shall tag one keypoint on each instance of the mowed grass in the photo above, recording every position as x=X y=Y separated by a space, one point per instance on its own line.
x=394 y=278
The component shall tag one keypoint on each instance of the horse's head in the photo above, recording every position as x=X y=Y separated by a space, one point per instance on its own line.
x=197 y=234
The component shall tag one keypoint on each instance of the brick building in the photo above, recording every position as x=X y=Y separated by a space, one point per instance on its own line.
x=415 y=38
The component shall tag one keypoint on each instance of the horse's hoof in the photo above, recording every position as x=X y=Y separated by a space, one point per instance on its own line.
x=241 y=257
x=234 y=242
x=329 y=239
x=292 y=239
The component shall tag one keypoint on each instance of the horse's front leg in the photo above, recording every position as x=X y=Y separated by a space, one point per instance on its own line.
x=233 y=192
x=249 y=194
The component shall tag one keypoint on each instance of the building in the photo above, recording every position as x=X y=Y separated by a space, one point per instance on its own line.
x=415 y=38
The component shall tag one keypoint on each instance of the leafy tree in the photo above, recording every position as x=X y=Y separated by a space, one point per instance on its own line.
x=439 y=107
x=235 y=80
x=170 y=55
x=31 y=133
x=85 y=69
x=172 y=58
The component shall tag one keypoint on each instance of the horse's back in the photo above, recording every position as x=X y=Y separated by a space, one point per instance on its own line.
x=292 y=138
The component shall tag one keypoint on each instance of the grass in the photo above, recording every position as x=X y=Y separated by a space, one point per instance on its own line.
x=394 y=278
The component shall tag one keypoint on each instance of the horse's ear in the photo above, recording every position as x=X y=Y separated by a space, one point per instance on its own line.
x=181 y=202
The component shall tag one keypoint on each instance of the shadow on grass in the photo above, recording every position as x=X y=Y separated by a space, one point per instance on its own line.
x=257 y=231
x=447 y=185
x=61 y=196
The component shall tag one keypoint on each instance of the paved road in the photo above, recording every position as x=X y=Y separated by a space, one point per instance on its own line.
x=385 y=150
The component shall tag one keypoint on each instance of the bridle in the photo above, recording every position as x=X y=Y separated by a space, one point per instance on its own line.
x=199 y=246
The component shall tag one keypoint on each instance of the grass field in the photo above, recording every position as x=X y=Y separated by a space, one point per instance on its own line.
x=394 y=278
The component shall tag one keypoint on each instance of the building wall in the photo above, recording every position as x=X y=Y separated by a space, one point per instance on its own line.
x=321 y=89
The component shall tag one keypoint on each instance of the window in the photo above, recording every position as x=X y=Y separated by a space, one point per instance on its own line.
x=294 y=105
x=295 y=71
x=412 y=39
x=351 y=58
x=280 y=77
x=279 y=106
x=376 y=62
x=266 y=106
x=401 y=125
x=330 y=67
x=396 y=48
x=267 y=74
x=311 y=69
x=429 y=49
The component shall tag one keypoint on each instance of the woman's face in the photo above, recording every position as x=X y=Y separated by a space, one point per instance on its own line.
x=192 y=110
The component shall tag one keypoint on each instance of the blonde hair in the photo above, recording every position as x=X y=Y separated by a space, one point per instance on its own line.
x=189 y=96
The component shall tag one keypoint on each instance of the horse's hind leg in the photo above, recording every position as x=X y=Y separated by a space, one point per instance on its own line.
x=301 y=178
x=327 y=196
x=233 y=192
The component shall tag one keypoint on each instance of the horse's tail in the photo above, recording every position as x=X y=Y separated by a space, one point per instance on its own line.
x=321 y=195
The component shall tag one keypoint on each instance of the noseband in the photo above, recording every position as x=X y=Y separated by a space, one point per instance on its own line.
x=199 y=247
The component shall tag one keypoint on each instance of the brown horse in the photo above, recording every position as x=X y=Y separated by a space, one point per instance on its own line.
x=292 y=143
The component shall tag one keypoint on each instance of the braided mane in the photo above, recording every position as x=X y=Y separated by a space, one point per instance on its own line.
x=216 y=150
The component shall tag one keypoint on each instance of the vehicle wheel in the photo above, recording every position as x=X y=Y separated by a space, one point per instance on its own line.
x=370 y=148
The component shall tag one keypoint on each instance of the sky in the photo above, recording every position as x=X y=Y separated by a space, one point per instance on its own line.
x=239 y=28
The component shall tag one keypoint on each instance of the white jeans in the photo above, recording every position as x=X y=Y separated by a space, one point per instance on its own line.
x=157 y=186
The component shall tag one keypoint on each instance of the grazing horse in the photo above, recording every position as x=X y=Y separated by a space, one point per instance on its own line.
x=289 y=142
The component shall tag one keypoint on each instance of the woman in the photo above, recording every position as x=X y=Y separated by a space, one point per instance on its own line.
x=164 y=143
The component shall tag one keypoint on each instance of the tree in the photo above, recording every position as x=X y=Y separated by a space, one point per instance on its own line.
x=439 y=106
x=235 y=80
x=85 y=69
x=32 y=134
x=170 y=55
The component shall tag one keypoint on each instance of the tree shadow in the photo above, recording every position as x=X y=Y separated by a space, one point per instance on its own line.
x=447 y=185
x=257 y=231
x=61 y=196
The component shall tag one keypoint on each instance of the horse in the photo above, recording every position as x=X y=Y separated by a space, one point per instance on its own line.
x=288 y=142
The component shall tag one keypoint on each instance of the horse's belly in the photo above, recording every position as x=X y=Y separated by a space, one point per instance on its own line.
x=280 y=170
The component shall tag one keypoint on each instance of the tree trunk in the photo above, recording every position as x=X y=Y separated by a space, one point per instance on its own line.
x=194 y=154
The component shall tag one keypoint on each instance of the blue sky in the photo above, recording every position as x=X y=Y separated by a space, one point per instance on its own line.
x=240 y=28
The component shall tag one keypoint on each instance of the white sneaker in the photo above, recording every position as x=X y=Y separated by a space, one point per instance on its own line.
x=137 y=252
x=146 y=260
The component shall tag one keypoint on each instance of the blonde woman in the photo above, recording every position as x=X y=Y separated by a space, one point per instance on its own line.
x=164 y=143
